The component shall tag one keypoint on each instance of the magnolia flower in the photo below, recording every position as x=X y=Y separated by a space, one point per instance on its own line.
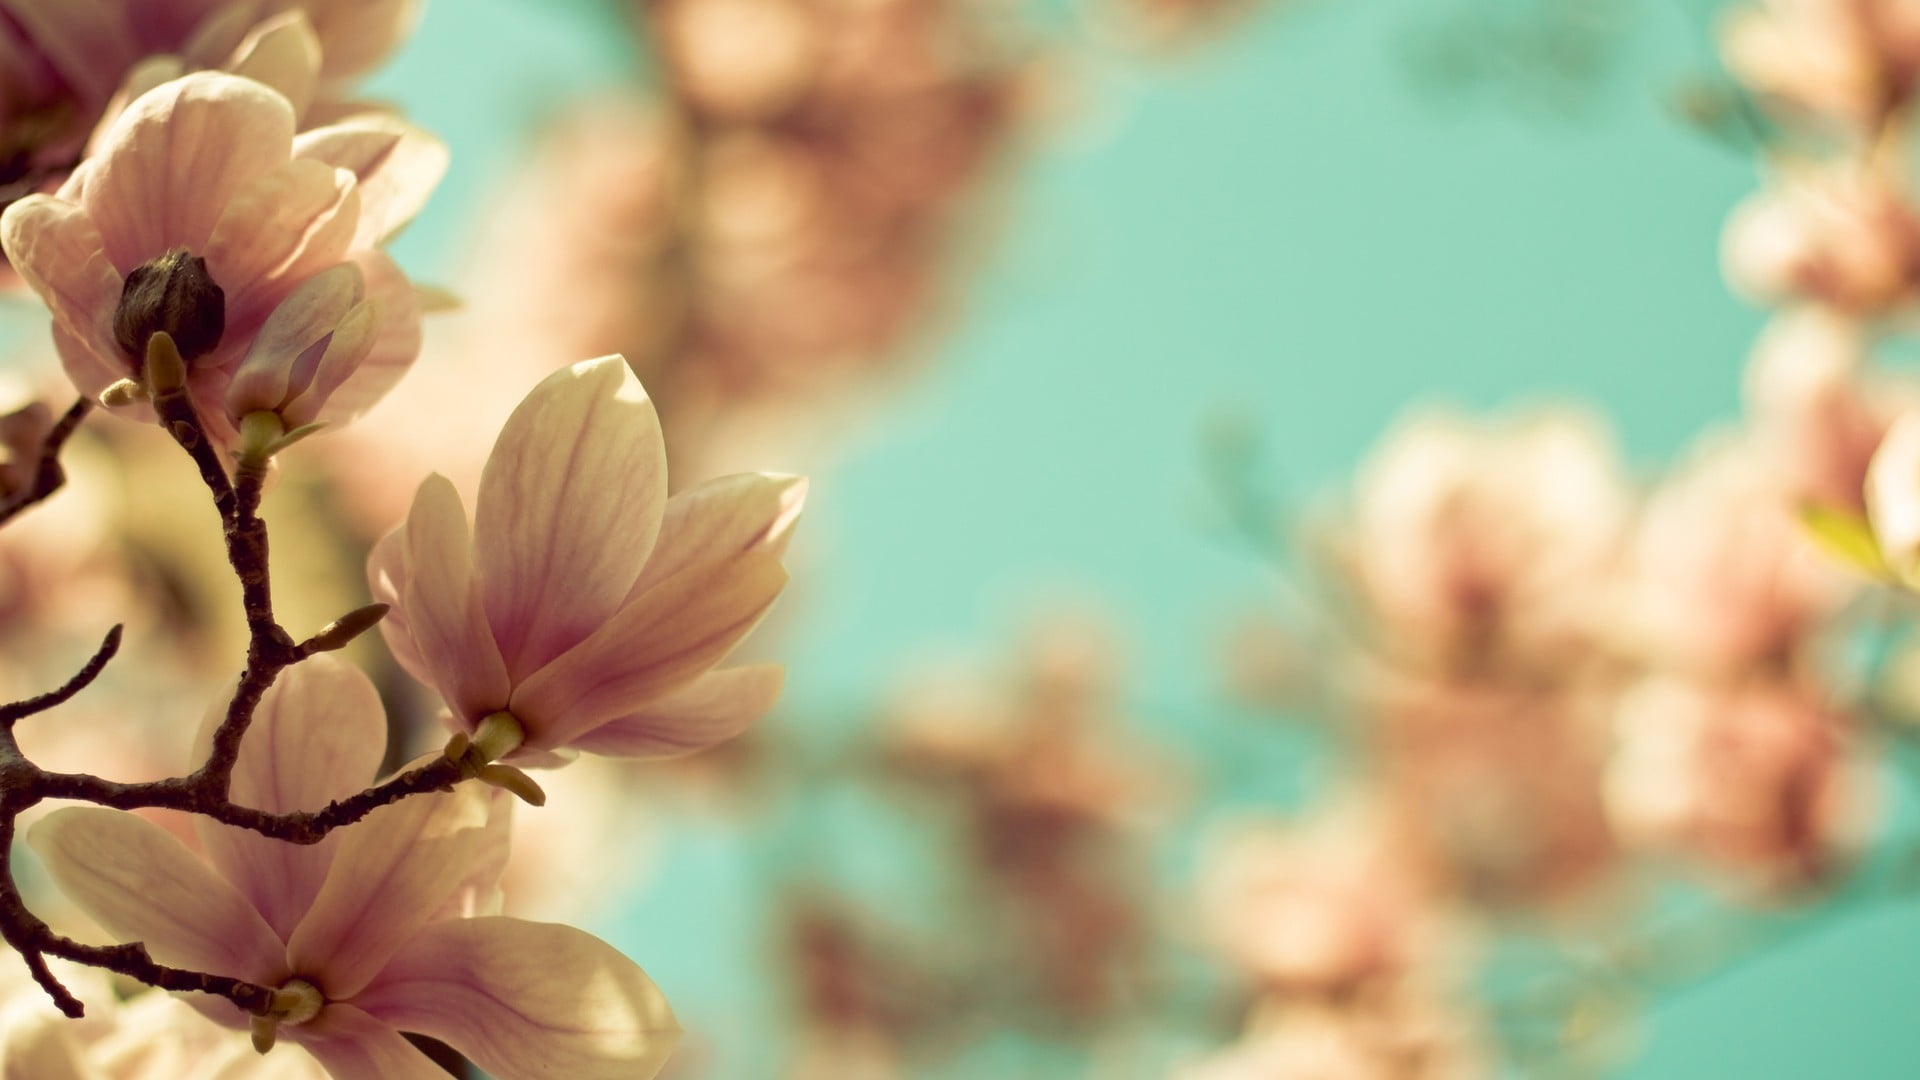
x=1841 y=235
x=1496 y=784
x=584 y=609
x=1722 y=576
x=1409 y=1032
x=1471 y=535
x=1893 y=497
x=1325 y=905
x=309 y=50
x=371 y=931
x=153 y=1036
x=1817 y=419
x=1848 y=60
x=66 y=67
x=205 y=201
x=1752 y=777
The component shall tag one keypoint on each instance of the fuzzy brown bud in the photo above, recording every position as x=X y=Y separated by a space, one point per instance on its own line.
x=172 y=294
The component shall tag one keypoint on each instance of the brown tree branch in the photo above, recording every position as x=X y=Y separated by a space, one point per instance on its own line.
x=270 y=650
x=48 y=476
x=20 y=710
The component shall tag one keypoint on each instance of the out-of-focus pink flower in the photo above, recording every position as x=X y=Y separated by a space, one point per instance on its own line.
x=1722 y=576
x=1843 y=235
x=1848 y=61
x=1813 y=416
x=1472 y=537
x=209 y=165
x=1496 y=784
x=153 y=1036
x=367 y=933
x=349 y=37
x=583 y=603
x=742 y=59
x=64 y=67
x=1752 y=777
x=1408 y=1033
x=1893 y=496
x=1321 y=907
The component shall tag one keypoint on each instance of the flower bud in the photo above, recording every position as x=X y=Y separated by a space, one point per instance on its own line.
x=171 y=294
x=336 y=634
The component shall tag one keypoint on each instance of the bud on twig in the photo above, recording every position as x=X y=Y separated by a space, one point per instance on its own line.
x=166 y=369
x=174 y=295
x=336 y=634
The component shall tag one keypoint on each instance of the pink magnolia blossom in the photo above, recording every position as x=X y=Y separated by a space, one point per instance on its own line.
x=209 y=165
x=372 y=931
x=1496 y=784
x=1474 y=537
x=1843 y=235
x=1722 y=576
x=1817 y=418
x=152 y=1036
x=64 y=66
x=1850 y=61
x=1410 y=1032
x=583 y=606
x=1324 y=905
x=1893 y=496
x=1752 y=777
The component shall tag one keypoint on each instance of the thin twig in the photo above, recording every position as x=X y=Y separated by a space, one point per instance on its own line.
x=20 y=710
x=270 y=650
x=48 y=476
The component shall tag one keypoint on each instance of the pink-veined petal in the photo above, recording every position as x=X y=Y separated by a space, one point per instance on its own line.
x=291 y=223
x=141 y=884
x=210 y=38
x=86 y=40
x=676 y=630
x=308 y=314
x=284 y=53
x=355 y=1046
x=398 y=164
x=58 y=250
x=442 y=605
x=358 y=36
x=1893 y=494
x=391 y=872
x=711 y=709
x=479 y=892
x=570 y=502
x=723 y=518
x=527 y=999
x=89 y=373
x=386 y=575
x=177 y=156
x=317 y=735
x=396 y=343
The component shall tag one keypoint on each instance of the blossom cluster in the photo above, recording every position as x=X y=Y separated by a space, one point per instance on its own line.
x=204 y=210
x=1551 y=676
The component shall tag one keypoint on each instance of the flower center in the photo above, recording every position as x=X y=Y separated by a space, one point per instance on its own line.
x=498 y=734
x=295 y=1002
